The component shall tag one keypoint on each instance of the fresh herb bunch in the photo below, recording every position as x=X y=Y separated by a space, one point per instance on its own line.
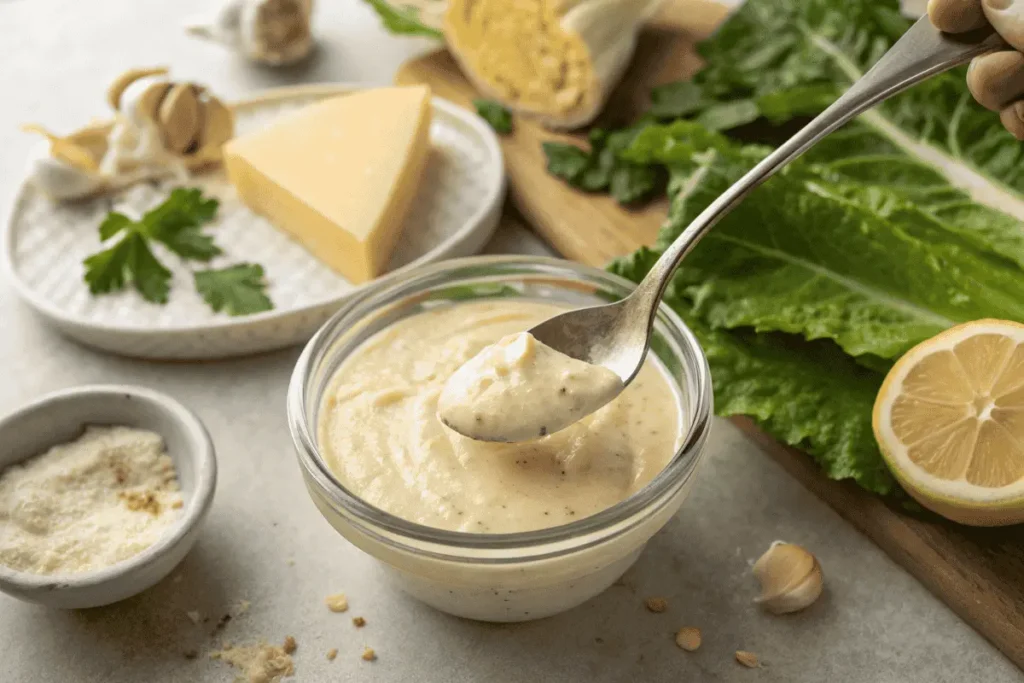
x=176 y=224
x=805 y=294
x=403 y=20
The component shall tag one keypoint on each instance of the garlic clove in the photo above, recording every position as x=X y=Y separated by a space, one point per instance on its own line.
x=178 y=118
x=142 y=100
x=122 y=82
x=791 y=578
x=218 y=123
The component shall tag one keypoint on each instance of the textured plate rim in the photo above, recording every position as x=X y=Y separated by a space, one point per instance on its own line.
x=271 y=95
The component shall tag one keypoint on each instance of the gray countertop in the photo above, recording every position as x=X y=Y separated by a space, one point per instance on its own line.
x=265 y=542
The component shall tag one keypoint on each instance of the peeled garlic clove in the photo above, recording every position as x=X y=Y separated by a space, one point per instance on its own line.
x=178 y=118
x=790 y=578
x=122 y=82
x=579 y=50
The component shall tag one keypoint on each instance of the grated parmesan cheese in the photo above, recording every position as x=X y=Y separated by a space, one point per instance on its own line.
x=89 y=503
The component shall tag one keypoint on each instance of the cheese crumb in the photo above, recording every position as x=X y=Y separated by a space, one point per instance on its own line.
x=369 y=655
x=89 y=503
x=261 y=663
x=656 y=605
x=337 y=602
x=747 y=659
x=332 y=654
x=688 y=638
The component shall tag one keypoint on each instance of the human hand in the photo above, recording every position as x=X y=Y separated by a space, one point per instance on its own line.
x=996 y=79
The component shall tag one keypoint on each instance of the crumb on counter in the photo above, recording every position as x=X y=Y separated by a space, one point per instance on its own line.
x=359 y=622
x=242 y=607
x=332 y=654
x=369 y=655
x=688 y=638
x=656 y=605
x=747 y=659
x=194 y=616
x=337 y=602
x=260 y=663
x=290 y=646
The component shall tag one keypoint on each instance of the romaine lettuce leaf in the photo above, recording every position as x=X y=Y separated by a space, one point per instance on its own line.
x=815 y=254
x=818 y=48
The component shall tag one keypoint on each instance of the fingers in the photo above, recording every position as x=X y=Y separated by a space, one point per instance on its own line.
x=1007 y=18
x=1013 y=119
x=997 y=79
x=957 y=16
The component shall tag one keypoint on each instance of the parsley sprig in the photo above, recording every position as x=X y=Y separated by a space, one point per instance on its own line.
x=177 y=224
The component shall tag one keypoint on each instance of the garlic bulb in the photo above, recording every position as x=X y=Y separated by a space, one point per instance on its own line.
x=161 y=128
x=274 y=32
x=790 y=578
x=554 y=59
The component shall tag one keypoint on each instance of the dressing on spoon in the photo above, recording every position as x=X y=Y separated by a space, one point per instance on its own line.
x=519 y=389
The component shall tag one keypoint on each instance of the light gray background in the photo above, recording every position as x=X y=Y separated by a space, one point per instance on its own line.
x=265 y=542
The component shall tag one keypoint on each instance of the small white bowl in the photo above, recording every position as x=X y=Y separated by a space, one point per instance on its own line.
x=61 y=417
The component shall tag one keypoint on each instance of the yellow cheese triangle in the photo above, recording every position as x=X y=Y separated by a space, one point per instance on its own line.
x=339 y=175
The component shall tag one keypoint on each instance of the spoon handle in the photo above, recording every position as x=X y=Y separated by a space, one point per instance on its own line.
x=922 y=52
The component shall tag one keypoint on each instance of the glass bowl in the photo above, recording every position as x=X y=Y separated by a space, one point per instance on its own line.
x=513 y=576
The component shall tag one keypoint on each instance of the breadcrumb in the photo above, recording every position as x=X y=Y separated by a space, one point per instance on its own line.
x=337 y=602
x=688 y=638
x=369 y=655
x=261 y=663
x=656 y=605
x=290 y=646
x=747 y=659
x=359 y=622
x=331 y=654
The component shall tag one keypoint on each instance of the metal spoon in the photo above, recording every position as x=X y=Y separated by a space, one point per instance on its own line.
x=617 y=335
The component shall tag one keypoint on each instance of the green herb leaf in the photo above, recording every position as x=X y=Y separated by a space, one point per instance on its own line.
x=403 y=20
x=631 y=183
x=568 y=162
x=674 y=100
x=238 y=290
x=114 y=223
x=499 y=118
x=177 y=221
x=150 y=277
x=106 y=271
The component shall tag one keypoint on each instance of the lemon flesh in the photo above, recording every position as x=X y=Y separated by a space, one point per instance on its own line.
x=949 y=419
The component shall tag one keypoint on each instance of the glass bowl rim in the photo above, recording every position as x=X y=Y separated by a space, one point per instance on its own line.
x=453 y=545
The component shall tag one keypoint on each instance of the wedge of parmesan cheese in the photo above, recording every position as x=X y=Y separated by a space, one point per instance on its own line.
x=339 y=175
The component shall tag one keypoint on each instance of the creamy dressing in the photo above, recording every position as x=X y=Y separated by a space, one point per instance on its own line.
x=519 y=389
x=380 y=435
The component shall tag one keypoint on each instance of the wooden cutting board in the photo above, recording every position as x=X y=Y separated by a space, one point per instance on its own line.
x=977 y=572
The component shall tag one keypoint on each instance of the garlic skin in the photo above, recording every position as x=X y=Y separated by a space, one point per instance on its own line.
x=790 y=578
x=579 y=50
x=272 y=32
x=58 y=179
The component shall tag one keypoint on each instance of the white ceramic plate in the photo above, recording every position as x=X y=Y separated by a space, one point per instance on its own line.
x=454 y=214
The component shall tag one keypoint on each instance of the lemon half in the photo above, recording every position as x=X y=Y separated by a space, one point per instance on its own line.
x=949 y=420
